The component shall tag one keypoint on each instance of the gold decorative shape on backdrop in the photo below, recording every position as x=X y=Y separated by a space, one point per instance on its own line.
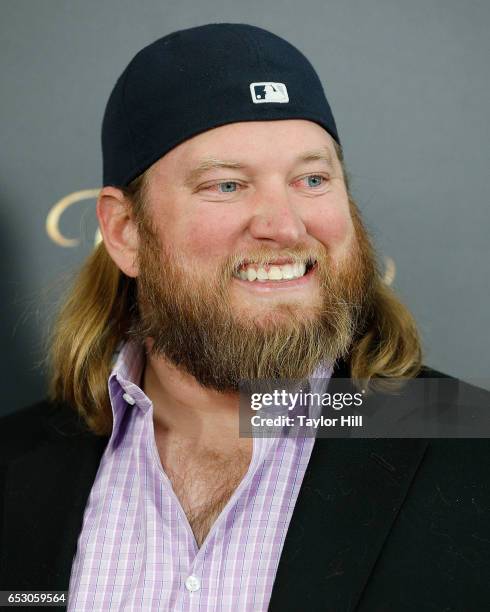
x=53 y=230
x=98 y=237
x=54 y=215
x=390 y=270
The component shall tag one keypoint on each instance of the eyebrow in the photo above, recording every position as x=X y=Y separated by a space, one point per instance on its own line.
x=322 y=154
x=212 y=163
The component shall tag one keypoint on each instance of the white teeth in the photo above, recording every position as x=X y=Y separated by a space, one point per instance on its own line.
x=251 y=274
x=262 y=274
x=285 y=272
x=275 y=273
x=288 y=272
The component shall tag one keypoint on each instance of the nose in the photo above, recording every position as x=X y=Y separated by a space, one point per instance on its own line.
x=275 y=219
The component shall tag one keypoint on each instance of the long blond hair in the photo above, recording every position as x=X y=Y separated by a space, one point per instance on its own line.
x=97 y=313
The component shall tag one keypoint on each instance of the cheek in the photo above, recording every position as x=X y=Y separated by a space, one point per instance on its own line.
x=210 y=234
x=333 y=227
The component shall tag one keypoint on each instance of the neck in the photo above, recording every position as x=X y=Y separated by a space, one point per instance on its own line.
x=183 y=409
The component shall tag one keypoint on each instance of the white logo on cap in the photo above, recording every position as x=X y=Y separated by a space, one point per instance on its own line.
x=268 y=92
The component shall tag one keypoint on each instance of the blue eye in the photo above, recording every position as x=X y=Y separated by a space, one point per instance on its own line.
x=314 y=180
x=228 y=187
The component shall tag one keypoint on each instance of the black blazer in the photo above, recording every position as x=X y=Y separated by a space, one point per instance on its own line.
x=380 y=525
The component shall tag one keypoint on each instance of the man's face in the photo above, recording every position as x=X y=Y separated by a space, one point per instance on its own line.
x=251 y=264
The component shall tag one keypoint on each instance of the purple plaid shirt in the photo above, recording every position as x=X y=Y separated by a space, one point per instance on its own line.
x=136 y=550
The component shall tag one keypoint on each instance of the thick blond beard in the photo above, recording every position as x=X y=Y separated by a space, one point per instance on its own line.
x=192 y=324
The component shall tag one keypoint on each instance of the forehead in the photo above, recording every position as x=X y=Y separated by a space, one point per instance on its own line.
x=251 y=144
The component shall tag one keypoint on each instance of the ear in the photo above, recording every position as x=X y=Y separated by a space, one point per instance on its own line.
x=118 y=229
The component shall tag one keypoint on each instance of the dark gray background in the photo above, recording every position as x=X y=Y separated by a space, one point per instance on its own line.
x=409 y=86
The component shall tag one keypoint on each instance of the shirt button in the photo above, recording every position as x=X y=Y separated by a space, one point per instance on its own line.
x=192 y=583
x=129 y=399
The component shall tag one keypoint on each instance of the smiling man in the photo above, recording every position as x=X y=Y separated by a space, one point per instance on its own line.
x=232 y=251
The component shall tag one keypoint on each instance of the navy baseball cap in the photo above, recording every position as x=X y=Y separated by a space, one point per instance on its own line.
x=197 y=79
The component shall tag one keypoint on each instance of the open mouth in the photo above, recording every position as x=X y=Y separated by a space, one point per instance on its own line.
x=279 y=271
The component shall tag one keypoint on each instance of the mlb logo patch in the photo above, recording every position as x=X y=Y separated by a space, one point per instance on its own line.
x=268 y=92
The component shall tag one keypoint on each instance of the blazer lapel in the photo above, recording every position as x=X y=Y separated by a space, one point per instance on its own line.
x=46 y=494
x=350 y=496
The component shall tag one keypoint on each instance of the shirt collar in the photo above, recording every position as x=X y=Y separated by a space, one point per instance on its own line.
x=124 y=385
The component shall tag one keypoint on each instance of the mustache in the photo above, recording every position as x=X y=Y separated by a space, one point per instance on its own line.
x=230 y=266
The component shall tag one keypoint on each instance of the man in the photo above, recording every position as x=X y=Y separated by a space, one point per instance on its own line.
x=231 y=251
